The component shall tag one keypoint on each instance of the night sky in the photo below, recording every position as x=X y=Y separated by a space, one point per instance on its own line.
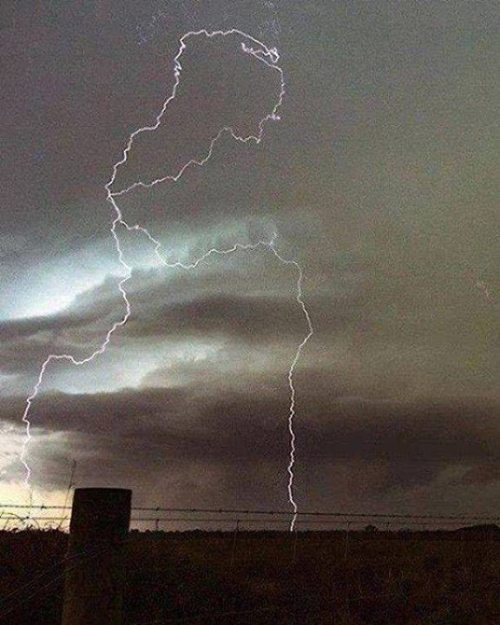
x=380 y=180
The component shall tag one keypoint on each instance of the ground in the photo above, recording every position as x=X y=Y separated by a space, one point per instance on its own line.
x=264 y=578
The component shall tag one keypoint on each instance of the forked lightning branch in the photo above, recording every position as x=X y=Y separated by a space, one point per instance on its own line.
x=269 y=57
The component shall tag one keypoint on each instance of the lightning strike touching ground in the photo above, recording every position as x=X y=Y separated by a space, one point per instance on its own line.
x=270 y=57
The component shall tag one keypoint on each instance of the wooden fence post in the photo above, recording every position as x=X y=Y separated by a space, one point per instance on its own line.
x=94 y=570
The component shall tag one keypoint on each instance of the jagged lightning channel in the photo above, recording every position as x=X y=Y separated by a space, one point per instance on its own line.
x=270 y=57
x=271 y=245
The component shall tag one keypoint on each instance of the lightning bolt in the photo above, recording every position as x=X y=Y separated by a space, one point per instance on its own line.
x=291 y=371
x=270 y=57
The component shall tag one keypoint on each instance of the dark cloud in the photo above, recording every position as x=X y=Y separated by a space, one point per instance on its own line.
x=153 y=430
x=244 y=318
x=18 y=329
x=481 y=474
x=217 y=78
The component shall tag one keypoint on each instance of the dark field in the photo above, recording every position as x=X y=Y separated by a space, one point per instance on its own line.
x=406 y=578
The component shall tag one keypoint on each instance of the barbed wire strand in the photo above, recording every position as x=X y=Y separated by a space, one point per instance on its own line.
x=372 y=515
x=226 y=521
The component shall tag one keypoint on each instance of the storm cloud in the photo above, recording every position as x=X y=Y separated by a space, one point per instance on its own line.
x=380 y=181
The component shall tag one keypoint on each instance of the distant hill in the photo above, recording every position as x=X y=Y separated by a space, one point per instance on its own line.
x=486 y=528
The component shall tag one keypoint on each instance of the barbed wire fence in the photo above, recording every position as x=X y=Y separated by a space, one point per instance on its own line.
x=178 y=518
x=231 y=520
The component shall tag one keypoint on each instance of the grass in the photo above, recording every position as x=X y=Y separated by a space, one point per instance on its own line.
x=264 y=578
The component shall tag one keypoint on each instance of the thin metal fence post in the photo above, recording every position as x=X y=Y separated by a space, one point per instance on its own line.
x=346 y=541
x=295 y=544
x=233 y=546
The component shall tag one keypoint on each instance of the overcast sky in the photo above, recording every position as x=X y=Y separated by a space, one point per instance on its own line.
x=381 y=181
